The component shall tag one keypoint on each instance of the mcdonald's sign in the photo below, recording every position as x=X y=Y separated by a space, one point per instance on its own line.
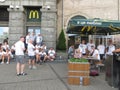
x=34 y=14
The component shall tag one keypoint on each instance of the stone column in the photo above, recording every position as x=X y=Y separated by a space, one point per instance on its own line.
x=48 y=27
x=16 y=24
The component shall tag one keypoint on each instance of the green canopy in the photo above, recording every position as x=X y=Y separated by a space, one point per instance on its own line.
x=93 y=26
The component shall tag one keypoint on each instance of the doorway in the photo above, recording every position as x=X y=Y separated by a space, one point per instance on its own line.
x=34 y=29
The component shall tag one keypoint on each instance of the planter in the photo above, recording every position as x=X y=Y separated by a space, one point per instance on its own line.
x=76 y=70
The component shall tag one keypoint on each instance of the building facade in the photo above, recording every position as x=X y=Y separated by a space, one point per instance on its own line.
x=88 y=9
x=18 y=17
x=49 y=17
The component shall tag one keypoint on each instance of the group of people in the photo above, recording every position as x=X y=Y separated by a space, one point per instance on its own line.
x=37 y=52
x=90 y=49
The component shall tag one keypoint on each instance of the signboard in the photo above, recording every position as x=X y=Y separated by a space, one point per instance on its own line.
x=94 y=22
x=33 y=15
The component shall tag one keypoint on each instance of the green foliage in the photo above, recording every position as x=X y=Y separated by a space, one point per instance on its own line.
x=78 y=60
x=61 y=45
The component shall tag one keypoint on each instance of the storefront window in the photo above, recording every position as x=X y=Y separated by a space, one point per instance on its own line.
x=4 y=32
x=35 y=30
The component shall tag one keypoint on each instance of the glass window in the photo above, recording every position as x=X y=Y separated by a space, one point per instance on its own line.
x=4 y=14
x=4 y=32
x=35 y=30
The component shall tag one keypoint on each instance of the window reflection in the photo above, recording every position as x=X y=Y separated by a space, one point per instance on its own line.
x=4 y=32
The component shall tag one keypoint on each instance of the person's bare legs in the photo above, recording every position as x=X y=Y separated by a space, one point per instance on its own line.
x=18 y=68
x=3 y=57
x=8 y=59
x=33 y=64
x=22 y=68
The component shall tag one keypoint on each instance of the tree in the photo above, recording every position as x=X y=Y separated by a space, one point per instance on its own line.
x=61 y=45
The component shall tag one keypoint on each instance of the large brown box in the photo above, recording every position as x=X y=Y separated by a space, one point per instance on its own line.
x=77 y=70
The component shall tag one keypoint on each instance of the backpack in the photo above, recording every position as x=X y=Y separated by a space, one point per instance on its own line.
x=94 y=72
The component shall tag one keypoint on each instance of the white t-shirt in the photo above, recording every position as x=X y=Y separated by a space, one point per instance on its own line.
x=30 y=49
x=83 y=48
x=96 y=54
x=51 y=52
x=37 y=51
x=5 y=47
x=111 y=48
x=27 y=39
x=38 y=39
x=7 y=53
x=19 y=48
x=101 y=49
x=1 y=53
x=89 y=46
x=42 y=53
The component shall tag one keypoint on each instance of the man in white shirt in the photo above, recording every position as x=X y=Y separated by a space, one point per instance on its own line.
x=27 y=39
x=101 y=49
x=110 y=48
x=90 y=44
x=20 y=59
x=83 y=47
x=39 y=39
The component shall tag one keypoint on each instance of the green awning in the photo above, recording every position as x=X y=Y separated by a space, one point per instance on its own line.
x=93 y=26
x=94 y=22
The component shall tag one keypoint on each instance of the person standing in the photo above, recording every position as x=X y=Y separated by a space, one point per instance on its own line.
x=31 y=54
x=33 y=37
x=110 y=48
x=83 y=47
x=27 y=37
x=19 y=54
x=39 y=39
x=101 y=49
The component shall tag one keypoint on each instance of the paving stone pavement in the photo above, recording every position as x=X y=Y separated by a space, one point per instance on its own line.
x=48 y=76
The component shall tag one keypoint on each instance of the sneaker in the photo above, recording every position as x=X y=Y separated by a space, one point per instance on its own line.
x=30 y=67
x=34 y=67
x=18 y=74
x=23 y=74
x=7 y=63
x=2 y=62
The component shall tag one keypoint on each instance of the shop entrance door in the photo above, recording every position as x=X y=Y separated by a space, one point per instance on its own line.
x=35 y=29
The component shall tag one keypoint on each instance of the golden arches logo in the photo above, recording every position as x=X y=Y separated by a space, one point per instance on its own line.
x=34 y=14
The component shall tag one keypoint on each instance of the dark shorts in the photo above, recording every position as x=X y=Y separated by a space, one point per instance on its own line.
x=20 y=59
x=101 y=56
x=42 y=57
x=32 y=57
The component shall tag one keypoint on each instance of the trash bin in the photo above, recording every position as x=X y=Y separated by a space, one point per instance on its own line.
x=112 y=67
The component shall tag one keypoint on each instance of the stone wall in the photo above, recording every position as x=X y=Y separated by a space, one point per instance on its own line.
x=17 y=19
x=90 y=9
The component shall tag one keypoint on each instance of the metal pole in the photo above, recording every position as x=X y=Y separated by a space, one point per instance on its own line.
x=118 y=10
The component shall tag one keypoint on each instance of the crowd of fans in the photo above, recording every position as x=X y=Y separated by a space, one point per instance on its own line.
x=90 y=49
x=36 y=50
